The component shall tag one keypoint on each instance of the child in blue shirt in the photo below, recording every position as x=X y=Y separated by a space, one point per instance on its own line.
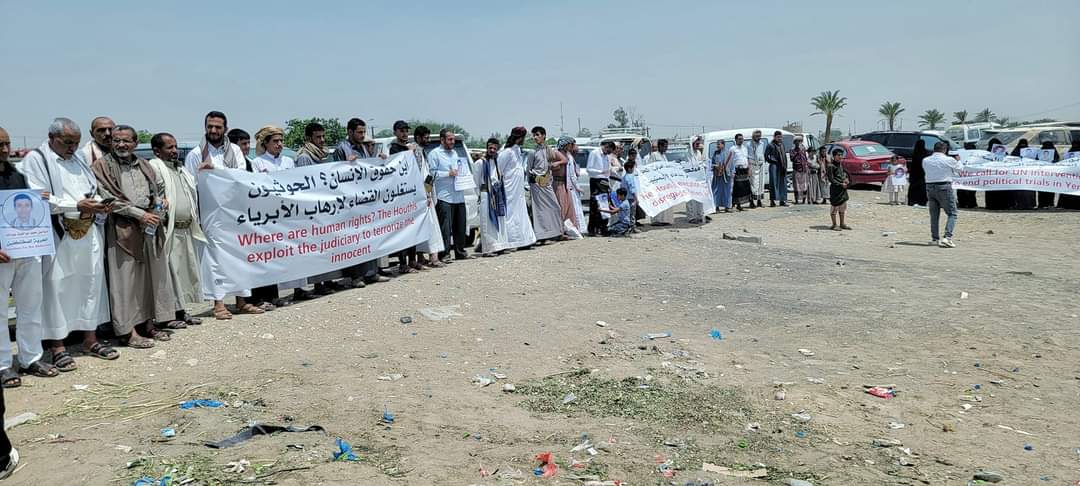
x=622 y=224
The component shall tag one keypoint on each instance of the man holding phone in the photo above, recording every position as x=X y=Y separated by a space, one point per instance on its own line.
x=74 y=297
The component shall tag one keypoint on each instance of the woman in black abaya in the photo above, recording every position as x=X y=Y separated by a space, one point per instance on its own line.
x=1023 y=199
x=916 y=195
x=997 y=200
x=1046 y=199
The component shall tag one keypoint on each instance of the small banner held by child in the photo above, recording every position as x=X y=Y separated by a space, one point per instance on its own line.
x=980 y=171
x=663 y=185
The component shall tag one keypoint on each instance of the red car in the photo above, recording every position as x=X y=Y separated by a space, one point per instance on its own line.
x=865 y=162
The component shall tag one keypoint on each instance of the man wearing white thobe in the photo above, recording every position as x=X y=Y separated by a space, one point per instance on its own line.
x=74 y=295
x=216 y=152
x=181 y=227
x=270 y=145
x=755 y=151
x=519 y=230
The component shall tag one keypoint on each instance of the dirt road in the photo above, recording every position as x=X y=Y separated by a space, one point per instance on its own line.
x=980 y=343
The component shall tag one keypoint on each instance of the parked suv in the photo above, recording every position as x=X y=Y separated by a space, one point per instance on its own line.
x=903 y=143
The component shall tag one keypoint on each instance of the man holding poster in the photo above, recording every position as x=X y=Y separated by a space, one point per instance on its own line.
x=446 y=166
x=21 y=277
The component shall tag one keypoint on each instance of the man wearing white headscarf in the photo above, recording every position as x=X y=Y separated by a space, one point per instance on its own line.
x=269 y=145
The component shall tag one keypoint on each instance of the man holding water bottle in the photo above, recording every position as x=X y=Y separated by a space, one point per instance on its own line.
x=139 y=285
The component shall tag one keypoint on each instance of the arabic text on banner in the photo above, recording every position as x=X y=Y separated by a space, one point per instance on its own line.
x=25 y=224
x=281 y=226
x=663 y=185
x=696 y=183
x=980 y=172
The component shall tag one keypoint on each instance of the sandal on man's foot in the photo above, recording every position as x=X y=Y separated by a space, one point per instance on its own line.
x=63 y=361
x=41 y=370
x=137 y=342
x=191 y=320
x=249 y=309
x=102 y=351
x=222 y=314
x=9 y=378
x=160 y=334
x=174 y=324
x=266 y=306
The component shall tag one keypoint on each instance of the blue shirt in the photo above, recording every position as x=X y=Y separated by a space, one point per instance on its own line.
x=441 y=161
x=624 y=213
x=629 y=181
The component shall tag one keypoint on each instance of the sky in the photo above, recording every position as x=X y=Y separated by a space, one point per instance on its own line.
x=489 y=66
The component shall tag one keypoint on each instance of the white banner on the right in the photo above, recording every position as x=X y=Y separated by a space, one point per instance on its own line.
x=981 y=171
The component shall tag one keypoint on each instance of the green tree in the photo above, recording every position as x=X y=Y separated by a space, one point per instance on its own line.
x=622 y=120
x=584 y=132
x=960 y=117
x=828 y=103
x=985 y=116
x=294 y=131
x=144 y=136
x=931 y=119
x=891 y=110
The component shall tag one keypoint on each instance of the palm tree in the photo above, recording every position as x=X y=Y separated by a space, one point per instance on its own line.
x=890 y=111
x=985 y=116
x=961 y=117
x=931 y=119
x=828 y=103
x=1002 y=120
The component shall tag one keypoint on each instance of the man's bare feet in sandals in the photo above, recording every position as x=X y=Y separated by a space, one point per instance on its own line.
x=221 y=312
x=9 y=378
x=62 y=360
x=134 y=340
x=248 y=308
x=41 y=369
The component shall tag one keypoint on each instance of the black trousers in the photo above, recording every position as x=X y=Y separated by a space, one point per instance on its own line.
x=5 y=443
x=452 y=225
x=597 y=225
x=264 y=294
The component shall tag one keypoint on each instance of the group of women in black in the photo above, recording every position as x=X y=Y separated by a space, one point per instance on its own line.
x=995 y=200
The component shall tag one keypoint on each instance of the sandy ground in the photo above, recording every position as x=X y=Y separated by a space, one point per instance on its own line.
x=980 y=378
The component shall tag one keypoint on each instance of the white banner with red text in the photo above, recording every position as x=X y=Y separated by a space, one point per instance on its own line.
x=663 y=185
x=275 y=227
x=985 y=171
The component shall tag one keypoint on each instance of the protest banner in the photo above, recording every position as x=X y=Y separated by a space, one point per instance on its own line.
x=697 y=183
x=662 y=185
x=281 y=226
x=980 y=171
x=25 y=224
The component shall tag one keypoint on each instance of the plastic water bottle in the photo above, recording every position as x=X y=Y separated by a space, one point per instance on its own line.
x=151 y=229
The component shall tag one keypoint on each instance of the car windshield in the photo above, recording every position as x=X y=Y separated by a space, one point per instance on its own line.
x=955 y=134
x=870 y=150
x=581 y=158
x=677 y=154
x=1005 y=138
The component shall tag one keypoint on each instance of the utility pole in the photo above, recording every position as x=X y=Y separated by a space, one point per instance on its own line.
x=578 y=125
x=562 y=128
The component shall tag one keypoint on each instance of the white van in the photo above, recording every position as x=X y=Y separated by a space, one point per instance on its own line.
x=966 y=135
x=728 y=136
